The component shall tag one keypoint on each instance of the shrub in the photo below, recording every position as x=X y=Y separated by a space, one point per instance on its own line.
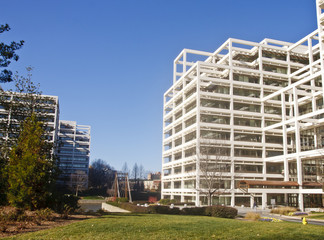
x=252 y=216
x=174 y=211
x=11 y=214
x=158 y=209
x=187 y=203
x=100 y=212
x=283 y=210
x=194 y=211
x=163 y=209
x=45 y=214
x=221 y=211
x=65 y=204
x=120 y=200
x=3 y=226
x=133 y=208
x=167 y=201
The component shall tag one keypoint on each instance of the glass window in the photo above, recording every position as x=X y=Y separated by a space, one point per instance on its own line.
x=215 y=135
x=246 y=92
x=214 y=104
x=215 y=119
x=247 y=122
x=246 y=78
x=246 y=107
x=247 y=153
x=247 y=137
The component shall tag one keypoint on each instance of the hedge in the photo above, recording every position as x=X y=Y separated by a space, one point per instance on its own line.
x=214 y=211
x=133 y=208
x=163 y=209
x=194 y=211
x=221 y=211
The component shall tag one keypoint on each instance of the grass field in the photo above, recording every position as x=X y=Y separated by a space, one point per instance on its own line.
x=141 y=226
x=93 y=198
x=317 y=216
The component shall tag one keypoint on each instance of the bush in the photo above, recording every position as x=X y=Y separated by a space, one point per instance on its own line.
x=163 y=209
x=133 y=208
x=187 y=203
x=8 y=214
x=167 y=201
x=221 y=211
x=283 y=210
x=122 y=199
x=45 y=214
x=252 y=216
x=65 y=204
x=194 y=211
x=158 y=209
x=101 y=212
x=174 y=211
x=3 y=226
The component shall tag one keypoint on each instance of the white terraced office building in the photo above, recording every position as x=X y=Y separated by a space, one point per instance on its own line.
x=262 y=103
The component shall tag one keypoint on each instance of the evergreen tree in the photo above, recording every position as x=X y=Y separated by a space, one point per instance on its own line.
x=31 y=170
x=19 y=104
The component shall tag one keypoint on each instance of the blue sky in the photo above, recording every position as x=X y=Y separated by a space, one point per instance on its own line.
x=111 y=61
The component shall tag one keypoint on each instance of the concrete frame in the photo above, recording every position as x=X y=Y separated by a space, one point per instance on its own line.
x=218 y=68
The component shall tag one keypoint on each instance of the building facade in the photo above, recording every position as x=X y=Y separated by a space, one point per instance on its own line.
x=17 y=105
x=255 y=111
x=73 y=154
x=71 y=142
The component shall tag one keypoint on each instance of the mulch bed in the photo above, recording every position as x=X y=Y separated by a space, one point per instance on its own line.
x=10 y=228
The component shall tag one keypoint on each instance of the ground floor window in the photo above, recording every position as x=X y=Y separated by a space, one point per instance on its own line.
x=313 y=200
x=177 y=198
x=189 y=198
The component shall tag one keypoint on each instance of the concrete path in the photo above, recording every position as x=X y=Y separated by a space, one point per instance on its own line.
x=110 y=208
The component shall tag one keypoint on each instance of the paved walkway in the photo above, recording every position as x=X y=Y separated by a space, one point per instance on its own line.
x=111 y=208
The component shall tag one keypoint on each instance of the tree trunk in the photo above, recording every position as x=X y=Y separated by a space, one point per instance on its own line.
x=209 y=199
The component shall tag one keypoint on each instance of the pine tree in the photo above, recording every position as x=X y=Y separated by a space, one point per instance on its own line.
x=31 y=169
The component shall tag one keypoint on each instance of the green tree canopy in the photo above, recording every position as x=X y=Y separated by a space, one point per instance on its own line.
x=31 y=168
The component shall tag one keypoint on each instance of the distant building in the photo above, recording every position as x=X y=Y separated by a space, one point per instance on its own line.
x=47 y=110
x=73 y=153
x=154 y=176
x=71 y=141
x=153 y=181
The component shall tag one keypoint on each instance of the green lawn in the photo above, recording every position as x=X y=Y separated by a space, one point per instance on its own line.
x=93 y=198
x=316 y=216
x=141 y=226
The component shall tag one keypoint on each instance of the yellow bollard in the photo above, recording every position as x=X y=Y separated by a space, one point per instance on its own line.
x=304 y=221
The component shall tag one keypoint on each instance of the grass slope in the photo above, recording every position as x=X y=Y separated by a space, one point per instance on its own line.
x=316 y=216
x=141 y=226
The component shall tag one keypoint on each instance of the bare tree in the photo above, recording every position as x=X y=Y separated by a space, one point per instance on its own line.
x=141 y=172
x=125 y=168
x=135 y=172
x=101 y=174
x=78 y=181
x=215 y=166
